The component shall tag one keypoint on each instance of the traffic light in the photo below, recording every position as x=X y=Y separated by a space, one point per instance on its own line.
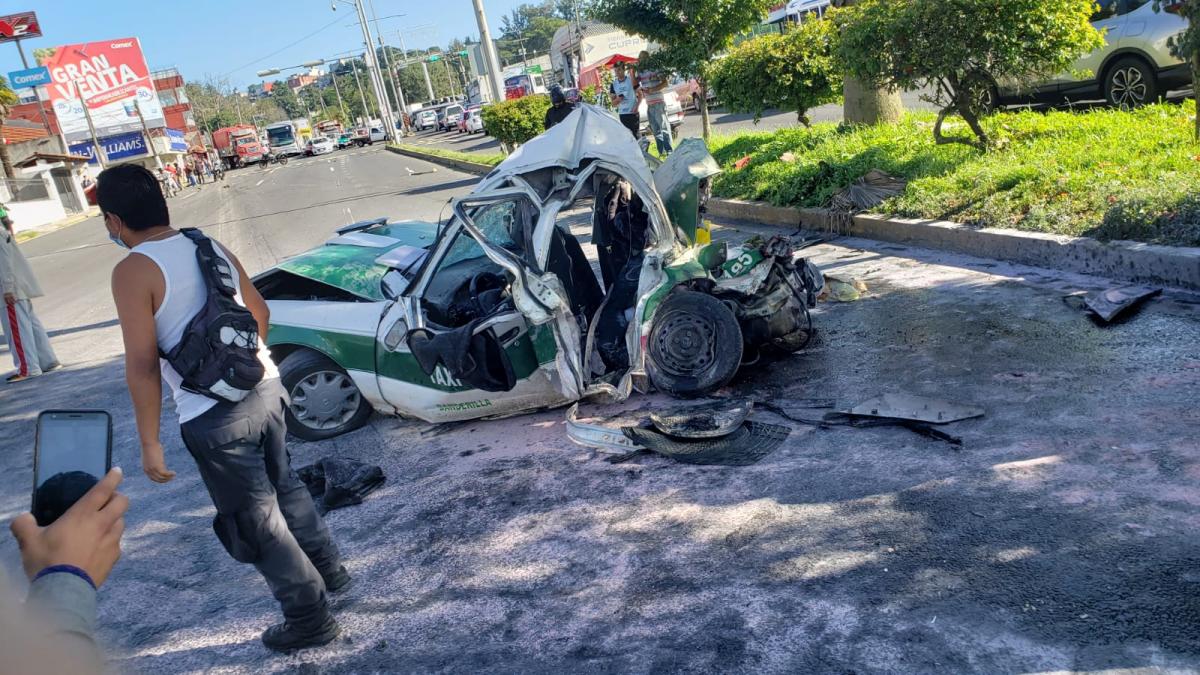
x=462 y=53
x=435 y=57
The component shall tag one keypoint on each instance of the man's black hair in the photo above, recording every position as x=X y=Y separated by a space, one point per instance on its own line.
x=132 y=192
x=557 y=97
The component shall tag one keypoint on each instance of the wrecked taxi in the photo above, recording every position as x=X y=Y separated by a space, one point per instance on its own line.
x=498 y=310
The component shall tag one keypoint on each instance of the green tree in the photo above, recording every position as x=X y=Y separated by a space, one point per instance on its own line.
x=959 y=49
x=516 y=121
x=527 y=31
x=285 y=98
x=793 y=71
x=864 y=104
x=8 y=98
x=1186 y=45
x=691 y=33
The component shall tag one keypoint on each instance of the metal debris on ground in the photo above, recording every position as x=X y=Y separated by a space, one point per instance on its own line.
x=915 y=408
x=1110 y=304
x=701 y=421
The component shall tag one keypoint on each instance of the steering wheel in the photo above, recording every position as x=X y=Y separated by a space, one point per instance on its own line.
x=485 y=281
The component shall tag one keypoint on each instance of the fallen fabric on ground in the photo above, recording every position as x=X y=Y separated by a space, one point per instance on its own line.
x=335 y=482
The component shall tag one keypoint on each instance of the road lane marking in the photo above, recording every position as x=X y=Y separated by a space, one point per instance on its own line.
x=260 y=182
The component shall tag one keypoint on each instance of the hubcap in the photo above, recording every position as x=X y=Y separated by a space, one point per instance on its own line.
x=325 y=399
x=685 y=344
x=1129 y=88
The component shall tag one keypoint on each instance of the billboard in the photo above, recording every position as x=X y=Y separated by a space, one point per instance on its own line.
x=19 y=26
x=111 y=78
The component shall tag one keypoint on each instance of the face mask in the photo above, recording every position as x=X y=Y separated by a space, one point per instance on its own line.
x=117 y=240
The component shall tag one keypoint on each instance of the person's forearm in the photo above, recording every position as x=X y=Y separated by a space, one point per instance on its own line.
x=145 y=388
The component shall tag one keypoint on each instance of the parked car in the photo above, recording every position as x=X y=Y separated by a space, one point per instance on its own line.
x=368 y=136
x=425 y=119
x=319 y=145
x=474 y=123
x=688 y=93
x=1134 y=67
x=674 y=112
x=449 y=117
x=481 y=315
x=345 y=140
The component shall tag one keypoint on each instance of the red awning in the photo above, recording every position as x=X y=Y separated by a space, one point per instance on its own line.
x=590 y=75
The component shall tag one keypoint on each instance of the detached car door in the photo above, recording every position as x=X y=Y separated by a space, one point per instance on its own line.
x=444 y=301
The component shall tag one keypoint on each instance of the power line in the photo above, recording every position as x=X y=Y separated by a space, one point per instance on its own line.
x=283 y=48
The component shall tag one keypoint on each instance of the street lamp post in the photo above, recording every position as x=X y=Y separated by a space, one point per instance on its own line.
x=387 y=60
x=361 y=93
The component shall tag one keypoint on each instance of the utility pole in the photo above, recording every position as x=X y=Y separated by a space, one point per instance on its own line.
x=489 y=52
x=428 y=82
x=137 y=105
x=87 y=115
x=387 y=60
x=385 y=112
x=361 y=93
x=336 y=90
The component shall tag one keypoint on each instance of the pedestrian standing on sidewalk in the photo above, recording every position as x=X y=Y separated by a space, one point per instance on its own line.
x=27 y=339
x=189 y=172
x=651 y=85
x=265 y=515
x=624 y=95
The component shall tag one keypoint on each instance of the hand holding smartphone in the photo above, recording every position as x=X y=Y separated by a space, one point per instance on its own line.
x=72 y=452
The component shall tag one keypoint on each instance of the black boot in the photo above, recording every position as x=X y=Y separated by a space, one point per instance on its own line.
x=338 y=580
x=286 y=637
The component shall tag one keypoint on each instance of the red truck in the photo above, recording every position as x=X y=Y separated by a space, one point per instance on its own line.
x=238 y=145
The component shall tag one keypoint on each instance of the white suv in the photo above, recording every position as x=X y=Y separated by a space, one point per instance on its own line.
x=1135 y=66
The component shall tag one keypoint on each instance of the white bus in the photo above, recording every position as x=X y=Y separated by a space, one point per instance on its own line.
x=284 y=139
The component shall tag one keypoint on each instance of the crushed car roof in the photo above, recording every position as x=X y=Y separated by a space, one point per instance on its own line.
x=588 y=133
x=348 y=262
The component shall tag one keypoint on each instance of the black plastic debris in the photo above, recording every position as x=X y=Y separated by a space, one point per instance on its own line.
x=701 y=421
x=746 y=445
x=1112 y=303
x=335 y=482
x=915 y=408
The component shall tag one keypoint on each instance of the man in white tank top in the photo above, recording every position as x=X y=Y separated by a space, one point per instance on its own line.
x=265 y=515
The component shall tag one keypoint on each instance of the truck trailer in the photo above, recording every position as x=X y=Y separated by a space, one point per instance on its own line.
x=238 y=145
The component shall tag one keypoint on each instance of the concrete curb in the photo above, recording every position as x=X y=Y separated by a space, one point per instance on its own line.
x=457 y=164
x=28 y=235
x=1124 y=260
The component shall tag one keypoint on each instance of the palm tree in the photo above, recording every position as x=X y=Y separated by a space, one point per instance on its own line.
x=8 y=98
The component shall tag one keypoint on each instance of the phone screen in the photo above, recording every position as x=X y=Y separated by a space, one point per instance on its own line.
x=73 y=452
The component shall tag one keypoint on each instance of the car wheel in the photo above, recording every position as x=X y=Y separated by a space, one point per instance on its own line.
x=695 y=345
x=982 y=93
x=324 y=400
x=1130 y=83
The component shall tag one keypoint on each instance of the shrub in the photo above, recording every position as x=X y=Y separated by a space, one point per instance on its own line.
x=793 y=71
x=960 y=48
x=516 y=121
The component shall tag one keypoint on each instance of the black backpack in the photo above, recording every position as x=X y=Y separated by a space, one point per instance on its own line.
x=218 y=353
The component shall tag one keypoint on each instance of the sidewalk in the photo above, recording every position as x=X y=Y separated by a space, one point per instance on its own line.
x=33 y=233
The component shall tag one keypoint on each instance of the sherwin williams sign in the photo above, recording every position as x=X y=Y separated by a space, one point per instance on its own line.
x=115 y=147
x=111 y=78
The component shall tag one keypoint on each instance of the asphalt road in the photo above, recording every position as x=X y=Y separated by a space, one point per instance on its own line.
x=723 y=122
x=1060 y=537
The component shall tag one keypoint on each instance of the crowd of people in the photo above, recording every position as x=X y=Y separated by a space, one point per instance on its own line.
x=192 y=172
x=631 y=84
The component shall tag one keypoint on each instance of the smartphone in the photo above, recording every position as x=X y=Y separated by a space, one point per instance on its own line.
x=72 y=451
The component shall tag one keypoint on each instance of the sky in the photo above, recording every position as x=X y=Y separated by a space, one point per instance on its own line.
x=235 y=38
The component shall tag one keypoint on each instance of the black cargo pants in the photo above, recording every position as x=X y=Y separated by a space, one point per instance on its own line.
x=265 y=515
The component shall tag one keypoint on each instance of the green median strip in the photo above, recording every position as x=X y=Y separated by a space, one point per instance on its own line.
x=1105 y=173
x=490 y=159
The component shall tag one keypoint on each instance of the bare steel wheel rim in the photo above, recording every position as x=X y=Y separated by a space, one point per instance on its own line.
x=1129 y=88
x=685 y=344
x=326 y=399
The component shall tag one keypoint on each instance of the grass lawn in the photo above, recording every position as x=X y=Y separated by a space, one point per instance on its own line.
x=491 y=159
x=1109 y=174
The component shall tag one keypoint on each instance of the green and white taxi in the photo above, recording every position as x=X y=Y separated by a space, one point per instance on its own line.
x=498 y=310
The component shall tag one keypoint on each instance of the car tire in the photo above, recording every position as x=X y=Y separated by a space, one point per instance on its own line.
x=695 y=345
x=1130 y=83
x=306 y=373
